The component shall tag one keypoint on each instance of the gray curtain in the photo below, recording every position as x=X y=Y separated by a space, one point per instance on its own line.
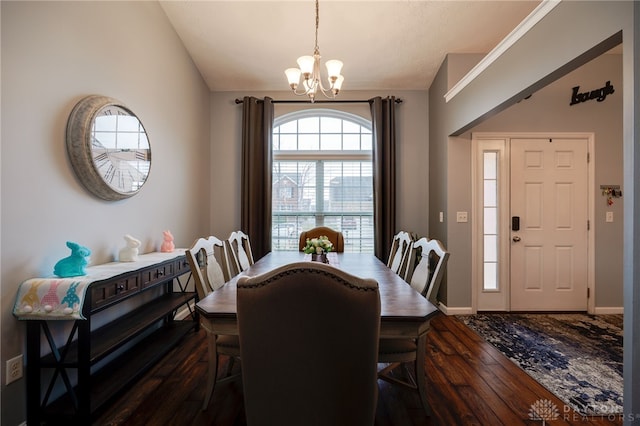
x=384 y=173
x=257 y=130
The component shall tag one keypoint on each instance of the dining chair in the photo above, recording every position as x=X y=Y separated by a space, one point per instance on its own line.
x=398 y=260
x=238 y=252
x=431 y=258
x=309 y=338
x=208 y=276
x=336 y=237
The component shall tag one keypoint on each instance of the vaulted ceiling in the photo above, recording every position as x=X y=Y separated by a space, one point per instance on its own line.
x=385 y=45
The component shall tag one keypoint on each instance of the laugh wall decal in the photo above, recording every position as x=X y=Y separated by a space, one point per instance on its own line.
x=597 y=94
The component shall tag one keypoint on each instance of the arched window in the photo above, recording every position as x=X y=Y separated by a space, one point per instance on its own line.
x=322 y=176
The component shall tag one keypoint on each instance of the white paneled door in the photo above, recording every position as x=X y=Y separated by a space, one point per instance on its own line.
x=549 y=224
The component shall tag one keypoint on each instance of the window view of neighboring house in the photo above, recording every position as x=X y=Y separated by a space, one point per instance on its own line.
x=322 y=176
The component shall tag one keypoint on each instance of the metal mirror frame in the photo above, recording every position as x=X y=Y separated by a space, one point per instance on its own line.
x=79 y=147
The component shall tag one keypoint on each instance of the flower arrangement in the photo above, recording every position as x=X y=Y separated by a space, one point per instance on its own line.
x=318 y=245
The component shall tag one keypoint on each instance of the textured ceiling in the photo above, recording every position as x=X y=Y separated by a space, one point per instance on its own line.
x=246 y=45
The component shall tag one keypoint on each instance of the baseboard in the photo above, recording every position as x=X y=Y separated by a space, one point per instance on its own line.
x=455 y=310
x=605 y=310
x=184 y=312
x=609 y=310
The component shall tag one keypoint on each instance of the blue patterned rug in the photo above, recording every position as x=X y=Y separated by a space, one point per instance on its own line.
x=578 y=357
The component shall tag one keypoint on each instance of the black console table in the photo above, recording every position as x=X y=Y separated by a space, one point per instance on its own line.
x=96 y=364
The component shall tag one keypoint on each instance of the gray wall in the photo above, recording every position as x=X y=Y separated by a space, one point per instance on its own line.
x=412 y=153
x=53 y=54
x=548 y=110
x=548 y=51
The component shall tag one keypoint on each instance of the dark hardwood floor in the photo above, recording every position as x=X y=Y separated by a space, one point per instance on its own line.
x=469 y=382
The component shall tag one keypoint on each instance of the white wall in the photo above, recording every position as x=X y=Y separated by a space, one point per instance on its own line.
x=53 y=54
x=412 y=153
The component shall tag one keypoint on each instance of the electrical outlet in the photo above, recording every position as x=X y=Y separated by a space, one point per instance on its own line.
x=461 y=217
x=609 y=217
x=14 y=369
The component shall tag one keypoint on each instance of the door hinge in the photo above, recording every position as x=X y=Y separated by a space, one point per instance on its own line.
x=588 y=225
x=588 y=292
x=588 y=157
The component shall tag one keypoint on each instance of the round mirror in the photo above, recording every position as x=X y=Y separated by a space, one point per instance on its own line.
x=108 y=148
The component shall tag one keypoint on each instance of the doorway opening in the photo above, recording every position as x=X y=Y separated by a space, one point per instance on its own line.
x=533 y=227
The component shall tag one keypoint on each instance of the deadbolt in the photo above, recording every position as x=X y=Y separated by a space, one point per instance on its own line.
x=516 y=238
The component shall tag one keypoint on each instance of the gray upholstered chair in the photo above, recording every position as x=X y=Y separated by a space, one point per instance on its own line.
x=336 y=237
x=309 y=338
x=208 y=276
x=238 y=253
x=399 y=255
x=431 y=258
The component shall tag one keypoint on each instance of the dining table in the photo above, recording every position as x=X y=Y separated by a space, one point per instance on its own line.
x=404 y=313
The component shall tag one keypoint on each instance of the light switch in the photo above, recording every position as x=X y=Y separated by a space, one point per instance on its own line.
x=609 y=217
x=441 y=216
x=461 y=217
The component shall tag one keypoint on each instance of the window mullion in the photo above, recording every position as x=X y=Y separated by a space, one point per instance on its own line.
x=319 y=193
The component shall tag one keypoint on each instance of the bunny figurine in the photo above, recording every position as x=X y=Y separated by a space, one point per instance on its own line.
x=75 y=264
x=167 y=245
x=129 y=253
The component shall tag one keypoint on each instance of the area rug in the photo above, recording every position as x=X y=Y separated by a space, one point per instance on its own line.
x=578 y=357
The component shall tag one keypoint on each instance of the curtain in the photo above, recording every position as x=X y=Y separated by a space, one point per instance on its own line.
x=257 y=130
x=384 y=174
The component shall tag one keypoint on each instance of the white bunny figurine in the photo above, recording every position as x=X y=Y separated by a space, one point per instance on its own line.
x=129 y=253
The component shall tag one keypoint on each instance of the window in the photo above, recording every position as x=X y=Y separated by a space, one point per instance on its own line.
x=322 y=176
x=490 y=225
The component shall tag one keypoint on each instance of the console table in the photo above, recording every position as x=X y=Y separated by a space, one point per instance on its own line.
x=132 y=306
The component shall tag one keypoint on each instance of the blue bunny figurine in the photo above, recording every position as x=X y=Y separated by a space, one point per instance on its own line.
x=73 y=265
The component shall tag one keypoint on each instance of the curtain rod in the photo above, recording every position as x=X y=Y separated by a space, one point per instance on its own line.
x=322 y=101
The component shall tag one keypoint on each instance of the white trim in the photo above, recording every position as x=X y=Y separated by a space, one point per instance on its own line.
x=591 y=259
x=494 y=300
x=609 y=310
x=518 y=32
x=455 y=310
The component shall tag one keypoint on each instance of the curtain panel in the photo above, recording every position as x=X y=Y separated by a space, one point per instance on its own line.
x=257 y=133
x=384 y=173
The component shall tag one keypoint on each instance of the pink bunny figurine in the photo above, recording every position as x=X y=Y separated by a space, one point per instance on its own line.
x=167 y=245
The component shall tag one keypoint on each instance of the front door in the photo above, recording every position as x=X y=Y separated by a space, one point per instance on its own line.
x=549 y=224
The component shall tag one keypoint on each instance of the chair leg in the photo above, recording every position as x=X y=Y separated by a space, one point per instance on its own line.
x=420 y=372
x=230 y=364
x=213 y=370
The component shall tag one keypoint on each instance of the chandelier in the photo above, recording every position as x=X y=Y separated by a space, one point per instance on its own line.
x=309 y=71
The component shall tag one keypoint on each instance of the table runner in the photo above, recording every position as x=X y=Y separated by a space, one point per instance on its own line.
x=55 y=298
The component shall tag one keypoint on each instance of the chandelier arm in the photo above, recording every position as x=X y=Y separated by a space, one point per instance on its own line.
x=311 y=84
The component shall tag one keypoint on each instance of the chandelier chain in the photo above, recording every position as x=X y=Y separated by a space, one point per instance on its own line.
x=317 y=48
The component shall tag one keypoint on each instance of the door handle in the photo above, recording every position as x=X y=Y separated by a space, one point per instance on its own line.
x=516 y=238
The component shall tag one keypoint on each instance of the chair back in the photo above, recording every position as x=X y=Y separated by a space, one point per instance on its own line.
x=205 y=269
x=399 y=255
x=432 y=259
x=309 y=346
x=238 y=252
x=336 y=237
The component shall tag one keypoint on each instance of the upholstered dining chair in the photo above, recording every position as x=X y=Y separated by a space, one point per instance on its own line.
x=431 y=258
x=208 y=276
x=309 y=338
x=398 y=260
x=336 y=237
x=238 y=252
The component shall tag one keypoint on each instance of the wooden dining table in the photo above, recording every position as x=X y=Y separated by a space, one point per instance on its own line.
x=404 y=313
